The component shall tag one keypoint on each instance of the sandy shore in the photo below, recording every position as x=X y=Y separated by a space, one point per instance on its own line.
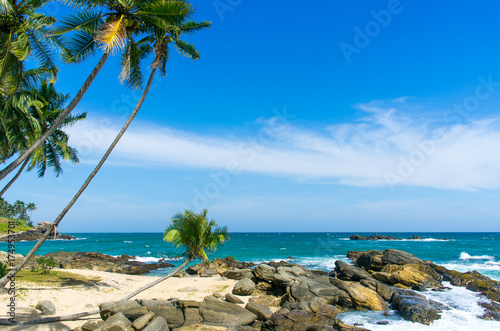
x=110 y=287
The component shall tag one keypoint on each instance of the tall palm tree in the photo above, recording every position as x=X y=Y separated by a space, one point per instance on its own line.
x=161 y=56
x=109 y=25
x=55 y=147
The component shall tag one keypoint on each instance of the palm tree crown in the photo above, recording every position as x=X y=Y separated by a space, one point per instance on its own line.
x=196 y=233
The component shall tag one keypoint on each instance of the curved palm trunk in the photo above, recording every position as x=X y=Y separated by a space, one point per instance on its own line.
x=7 y=170
x=15 y=177
x=28 y=256
x=94 y=312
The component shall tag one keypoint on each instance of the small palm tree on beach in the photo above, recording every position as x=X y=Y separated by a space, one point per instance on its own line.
x=194 y=232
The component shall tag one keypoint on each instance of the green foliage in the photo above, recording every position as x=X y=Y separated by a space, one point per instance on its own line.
x=196 y=233
x=44 y=265
x=18 y=211
x=3 y=269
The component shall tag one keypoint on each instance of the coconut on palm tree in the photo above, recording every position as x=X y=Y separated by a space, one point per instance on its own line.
x=109 y=25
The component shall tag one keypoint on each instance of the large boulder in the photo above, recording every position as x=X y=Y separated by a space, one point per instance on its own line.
x=244 y=287
x=169 y=310
x=365 y=298
x=46 y=307
x=264 y=272
x=130 y=309
x=416 y=309
x=299 y=320
x=394 y=256
x=369 y=260
x=239 y=274
x=286 y=275
x=263 y=313
x=117 y=322
x=157 y=324
x=307 y=289
x=409 y=275
x=350 y=272
x=219 y=313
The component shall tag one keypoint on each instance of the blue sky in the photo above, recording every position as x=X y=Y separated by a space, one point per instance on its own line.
x=325 y=116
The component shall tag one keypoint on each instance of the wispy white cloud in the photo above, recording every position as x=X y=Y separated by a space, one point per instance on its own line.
x=387 y=146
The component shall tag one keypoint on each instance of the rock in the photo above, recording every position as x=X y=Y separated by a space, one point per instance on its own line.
x=117 y=322
x=181 y=274
x=130 y=308
x=189 y=304
x=218 y=295
x=264 y=272
x=409 y=275
x=91 y=325
x=226 y=314
x=370 y=260
x=102 y=262
x=415 y=309
x=142 y=321
x=5 y=258
x=339 y=326
x=365 y=298
x=192 y=316
x=285 y=276
x=166 y=309
x=416 y=237
x=350 y=272
x=393 y=256
x=244 y=287
x=233 y=299
x=209 y=272
x=157 y=324
x=238 y=274
x=296 y=320
x=36 y=233
x=492 y=311
x=263 y=313
x=320 y=328
x=373 y=237
x=307 y=289
x=46 y=307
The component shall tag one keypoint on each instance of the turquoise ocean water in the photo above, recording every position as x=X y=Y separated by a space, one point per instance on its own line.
x=463 y=252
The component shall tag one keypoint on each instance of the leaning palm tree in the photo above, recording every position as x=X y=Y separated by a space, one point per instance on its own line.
x=55 y=147
x=194 y=232
x=161 y=56
x=108 y=25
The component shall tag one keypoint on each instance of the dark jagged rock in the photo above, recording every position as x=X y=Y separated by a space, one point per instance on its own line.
x=416 y=309
x=218 y=266
x=350 y=272
x=226 y=314
x=102 y=262
x=36 y=233
x=321 y=316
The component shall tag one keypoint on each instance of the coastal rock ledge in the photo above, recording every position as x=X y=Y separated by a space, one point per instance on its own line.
x=286 y=296
x=35 y=233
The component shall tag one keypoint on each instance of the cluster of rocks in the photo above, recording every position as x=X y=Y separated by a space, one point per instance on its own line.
x=303 y=299
x=123 y=264
x=35 y=233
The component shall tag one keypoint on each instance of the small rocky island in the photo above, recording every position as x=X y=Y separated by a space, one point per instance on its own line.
x=303 y=299
x=382 y=237
x=35 y=233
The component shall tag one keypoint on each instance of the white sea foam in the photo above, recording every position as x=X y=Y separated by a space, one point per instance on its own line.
x=146 y=259
x=467 y=256
x=128 y=242
x=461 y=317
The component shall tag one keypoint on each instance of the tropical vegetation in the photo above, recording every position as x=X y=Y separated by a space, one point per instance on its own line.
x=138 y=30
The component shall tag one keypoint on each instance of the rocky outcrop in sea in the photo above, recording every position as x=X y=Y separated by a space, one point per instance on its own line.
x=382 y=237
x=303 y=299
x=35 y=233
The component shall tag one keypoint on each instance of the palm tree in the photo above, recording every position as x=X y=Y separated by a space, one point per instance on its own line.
x=161 y=56
x=190 y=230
x=55 y=147
x=25 y=32
x=109 y=25
x=194 y=232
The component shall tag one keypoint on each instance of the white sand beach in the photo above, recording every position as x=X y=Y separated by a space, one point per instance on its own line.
x=110 y=287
